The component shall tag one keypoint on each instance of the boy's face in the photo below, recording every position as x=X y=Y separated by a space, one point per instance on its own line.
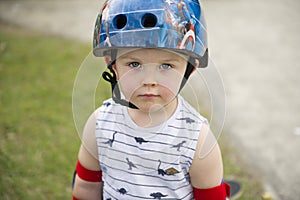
x=150 y=78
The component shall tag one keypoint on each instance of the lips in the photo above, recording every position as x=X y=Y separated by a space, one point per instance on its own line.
x=149 y=95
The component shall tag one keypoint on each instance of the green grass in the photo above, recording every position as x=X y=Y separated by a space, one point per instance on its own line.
x=38 y=139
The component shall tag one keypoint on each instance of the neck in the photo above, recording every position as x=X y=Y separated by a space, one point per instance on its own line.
x=154 y=117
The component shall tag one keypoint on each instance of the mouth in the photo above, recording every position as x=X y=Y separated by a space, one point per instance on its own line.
x=148 y=96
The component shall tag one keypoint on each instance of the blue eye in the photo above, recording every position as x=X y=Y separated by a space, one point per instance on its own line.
x=165 y=66
x=134 y=64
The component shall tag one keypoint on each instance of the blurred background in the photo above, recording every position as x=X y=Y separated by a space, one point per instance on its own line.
x=253 y=43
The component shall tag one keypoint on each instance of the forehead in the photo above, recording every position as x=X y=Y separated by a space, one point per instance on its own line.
x=146 y=53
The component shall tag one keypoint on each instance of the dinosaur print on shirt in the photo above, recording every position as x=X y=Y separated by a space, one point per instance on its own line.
x=157 y=195
x=187 y=120
x=111 y=141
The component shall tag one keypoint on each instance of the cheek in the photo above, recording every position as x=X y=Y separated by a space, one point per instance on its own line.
x=128 y=87
x=172 y=82
x=128 y=84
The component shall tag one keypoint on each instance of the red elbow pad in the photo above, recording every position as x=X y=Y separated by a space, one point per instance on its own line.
x=88 y=175
x=216 y=193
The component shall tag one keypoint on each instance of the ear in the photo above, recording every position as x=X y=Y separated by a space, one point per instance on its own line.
x=107 y=59
x=196 y=65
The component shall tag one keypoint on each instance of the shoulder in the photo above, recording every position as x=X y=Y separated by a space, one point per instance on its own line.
x=90 y=126
x=88 y=152
x=88 y=135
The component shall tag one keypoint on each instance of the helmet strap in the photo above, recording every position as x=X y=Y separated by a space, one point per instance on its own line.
x=112 y=79
x=188 y=71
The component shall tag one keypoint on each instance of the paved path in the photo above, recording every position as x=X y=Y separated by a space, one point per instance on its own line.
x=256 y=47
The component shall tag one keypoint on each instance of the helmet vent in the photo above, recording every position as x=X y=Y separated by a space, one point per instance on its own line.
x=149 y=20
x=120 y=21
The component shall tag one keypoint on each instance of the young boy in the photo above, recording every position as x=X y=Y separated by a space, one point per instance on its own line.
x=147 y=141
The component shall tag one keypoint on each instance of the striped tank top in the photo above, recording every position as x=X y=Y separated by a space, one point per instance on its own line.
x=146 y=163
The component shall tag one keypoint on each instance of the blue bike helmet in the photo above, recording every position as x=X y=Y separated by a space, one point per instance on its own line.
x=176 y=25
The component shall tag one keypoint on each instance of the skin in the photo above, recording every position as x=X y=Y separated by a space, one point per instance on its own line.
x=157 y=101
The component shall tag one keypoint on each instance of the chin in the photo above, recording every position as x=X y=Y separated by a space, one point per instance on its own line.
x=153 y=108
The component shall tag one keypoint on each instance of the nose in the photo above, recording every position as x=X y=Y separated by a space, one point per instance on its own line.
x=150 y=76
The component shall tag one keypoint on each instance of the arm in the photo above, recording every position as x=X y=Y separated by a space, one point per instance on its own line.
x=206 y=171
x=88 y=158
x=207 y=168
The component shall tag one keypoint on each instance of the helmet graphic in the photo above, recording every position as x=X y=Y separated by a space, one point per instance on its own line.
x=176 y=25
